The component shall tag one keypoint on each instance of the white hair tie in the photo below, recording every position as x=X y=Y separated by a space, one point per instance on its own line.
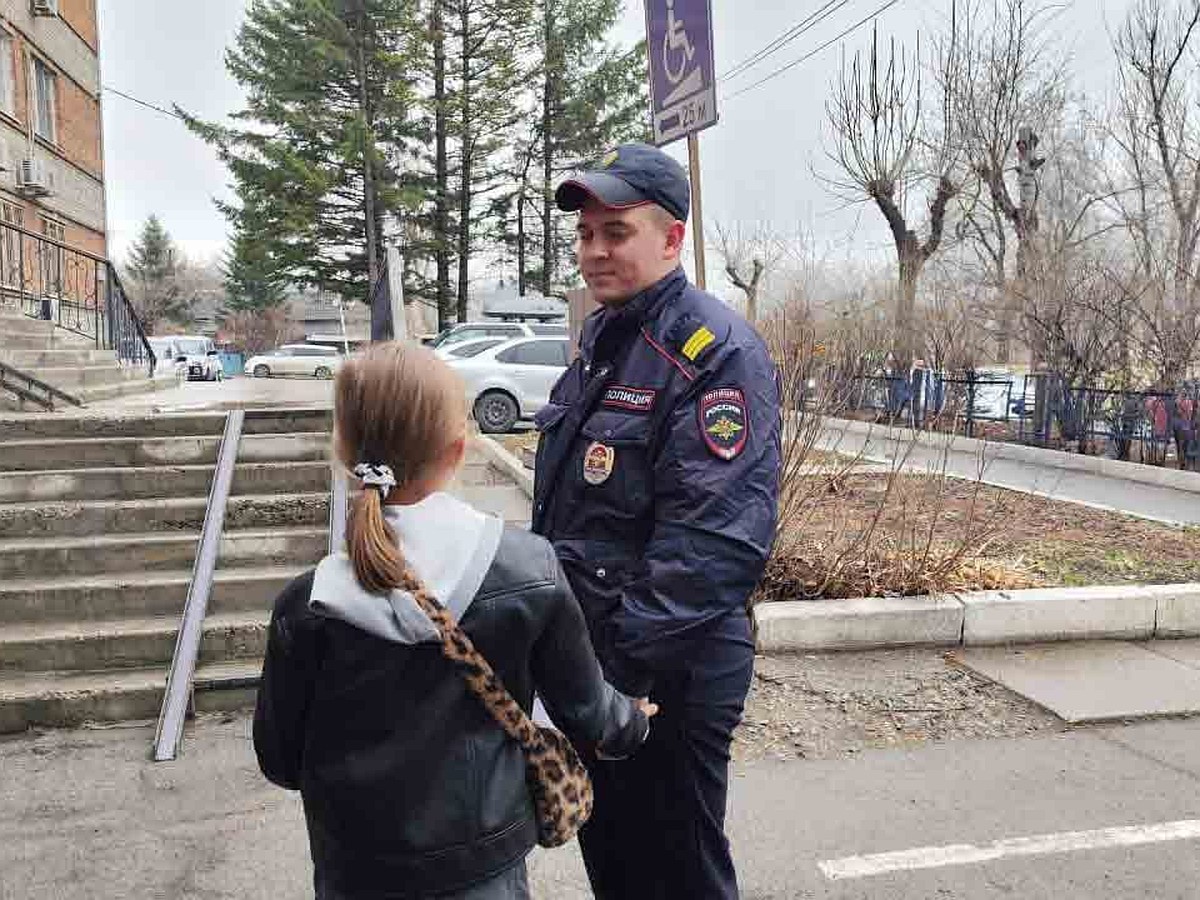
x=376 y=476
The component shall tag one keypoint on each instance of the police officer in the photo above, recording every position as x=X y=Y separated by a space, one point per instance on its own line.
x=657 y=481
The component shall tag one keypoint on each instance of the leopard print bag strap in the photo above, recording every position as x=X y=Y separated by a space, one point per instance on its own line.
x=558 y=781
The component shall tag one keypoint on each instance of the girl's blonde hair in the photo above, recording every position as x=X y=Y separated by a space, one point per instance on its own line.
x=397 y=405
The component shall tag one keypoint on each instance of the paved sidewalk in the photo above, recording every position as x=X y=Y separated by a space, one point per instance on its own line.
x=198 y=396
x=1146 y=501
x=85 y=816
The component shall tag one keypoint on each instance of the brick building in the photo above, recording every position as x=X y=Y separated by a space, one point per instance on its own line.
x=51 y=153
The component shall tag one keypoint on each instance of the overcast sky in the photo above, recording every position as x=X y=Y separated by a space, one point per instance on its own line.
x=758 y=162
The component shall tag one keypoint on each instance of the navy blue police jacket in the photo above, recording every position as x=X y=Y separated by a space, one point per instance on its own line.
x=657 y=477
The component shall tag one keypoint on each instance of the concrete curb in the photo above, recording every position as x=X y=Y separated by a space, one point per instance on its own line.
x=1050 y=459
x=506 y=463
x=1040 y=615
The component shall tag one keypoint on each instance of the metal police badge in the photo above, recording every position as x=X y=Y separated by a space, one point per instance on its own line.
x=724 y=422
x=598 y=463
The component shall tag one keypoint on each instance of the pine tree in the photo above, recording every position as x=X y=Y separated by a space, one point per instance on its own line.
x=253 y=281
x=328 y=114
x=592 y=96
x=152 y=271
x=487 y=39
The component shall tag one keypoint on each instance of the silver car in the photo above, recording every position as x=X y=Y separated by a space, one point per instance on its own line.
x=512 y=381
x=310 y=360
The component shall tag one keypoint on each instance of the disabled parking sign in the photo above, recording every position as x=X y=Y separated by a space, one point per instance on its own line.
x=682 y=76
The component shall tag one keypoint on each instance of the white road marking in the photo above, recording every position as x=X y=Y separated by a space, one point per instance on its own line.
x=1036 y=845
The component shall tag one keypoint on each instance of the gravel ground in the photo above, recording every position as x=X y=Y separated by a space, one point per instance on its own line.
x=821 y=706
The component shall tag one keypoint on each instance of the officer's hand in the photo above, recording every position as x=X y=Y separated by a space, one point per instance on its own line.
x=644 y=704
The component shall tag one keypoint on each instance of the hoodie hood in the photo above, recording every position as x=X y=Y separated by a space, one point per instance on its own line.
x=449 y=545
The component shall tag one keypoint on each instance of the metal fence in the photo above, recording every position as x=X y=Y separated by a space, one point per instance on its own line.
x=74 y=289
x=1044 y=410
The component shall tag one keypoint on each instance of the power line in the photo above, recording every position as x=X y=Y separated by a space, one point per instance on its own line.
x=807 y=56
x=810 y=22
x=132 y=99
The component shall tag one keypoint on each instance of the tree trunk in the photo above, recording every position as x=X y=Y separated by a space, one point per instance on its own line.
x=465 y=163
x=549 y=74
x=441 y=223
x=521 y=261
x=370 y=213
x=904 y=343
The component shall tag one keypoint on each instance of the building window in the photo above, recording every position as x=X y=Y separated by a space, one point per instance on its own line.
x=46 y=83
x=12 y=217
x=52 y=257
x=8 y=102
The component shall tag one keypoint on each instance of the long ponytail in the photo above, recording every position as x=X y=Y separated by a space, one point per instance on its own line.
x=372 y=545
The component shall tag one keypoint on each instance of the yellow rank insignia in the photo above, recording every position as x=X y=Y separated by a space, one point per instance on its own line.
x=609 y=159
x=700 y=341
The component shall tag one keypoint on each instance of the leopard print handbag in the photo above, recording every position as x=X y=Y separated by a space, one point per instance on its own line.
x=558 y=781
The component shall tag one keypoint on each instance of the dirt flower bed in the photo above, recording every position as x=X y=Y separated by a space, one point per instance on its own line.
x=829 y=705
x=881 y=535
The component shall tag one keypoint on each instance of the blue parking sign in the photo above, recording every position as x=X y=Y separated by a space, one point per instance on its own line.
x=682 y=76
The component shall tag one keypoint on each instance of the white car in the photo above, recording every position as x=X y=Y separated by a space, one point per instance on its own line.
x=311 y=360
x=198 y=358
x=467 y=349
x=469 y=331
x=166 y=352
x=512 y=380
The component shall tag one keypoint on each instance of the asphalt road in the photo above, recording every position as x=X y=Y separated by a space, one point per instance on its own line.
x=84 y=814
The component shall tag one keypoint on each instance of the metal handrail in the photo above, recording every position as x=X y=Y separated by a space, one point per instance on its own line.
x=44 y=400
x=176 y=699
x=339 y=502
x=77 y=290
x=130 y=315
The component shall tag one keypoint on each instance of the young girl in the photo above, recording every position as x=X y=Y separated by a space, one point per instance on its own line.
x=410 y=788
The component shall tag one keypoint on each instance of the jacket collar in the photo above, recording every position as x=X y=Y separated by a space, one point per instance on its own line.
x=643 y=307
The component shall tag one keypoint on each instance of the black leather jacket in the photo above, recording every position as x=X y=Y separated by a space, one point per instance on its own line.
x=410 y=788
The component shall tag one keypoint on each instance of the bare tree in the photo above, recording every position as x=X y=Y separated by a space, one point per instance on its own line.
x=1011 y=90
x=750 y=255
x=887 y=150
x=1158 y=133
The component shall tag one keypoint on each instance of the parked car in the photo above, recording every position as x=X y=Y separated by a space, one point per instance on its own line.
x=166 y=353
x=467 y=349
x=198 y=358
x=296 y=359
x=512 y=380
x=469 y=331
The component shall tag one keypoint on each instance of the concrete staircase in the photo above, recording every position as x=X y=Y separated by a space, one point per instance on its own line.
x=66 y=361
x=99 y=523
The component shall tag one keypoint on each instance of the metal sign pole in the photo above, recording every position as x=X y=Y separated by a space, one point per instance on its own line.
x=697 y=211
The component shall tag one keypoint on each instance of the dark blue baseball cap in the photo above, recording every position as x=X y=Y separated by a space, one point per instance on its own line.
x=629 y=176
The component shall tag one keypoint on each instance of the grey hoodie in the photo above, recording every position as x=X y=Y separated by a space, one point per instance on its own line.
x=448 y=545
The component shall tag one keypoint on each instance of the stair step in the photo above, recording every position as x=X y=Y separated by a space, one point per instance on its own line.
x=192 y=424
x=141 y=383
x=71 y=699
x=114 y=554
x=127 y=643
x=71 y=378
x=92 y=517
x=105 y=598
x=57 y=358
x=103 y=452
x=149 y=482
x=21 y=324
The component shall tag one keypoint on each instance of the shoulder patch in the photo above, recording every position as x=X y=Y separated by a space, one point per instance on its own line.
x=724 y=422
x=701 y=339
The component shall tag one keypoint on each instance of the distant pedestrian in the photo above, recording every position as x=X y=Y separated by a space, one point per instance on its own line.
x=410 y=788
